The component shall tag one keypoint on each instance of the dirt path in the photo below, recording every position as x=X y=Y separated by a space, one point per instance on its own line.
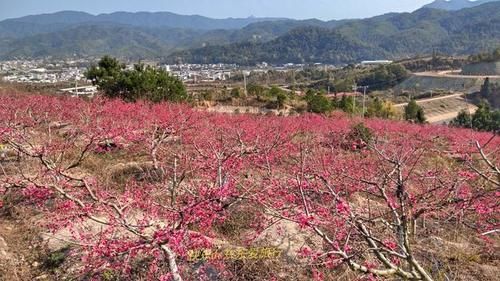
x=443 y=109
x=445 y=117
x=453 y=74
x=431 y=99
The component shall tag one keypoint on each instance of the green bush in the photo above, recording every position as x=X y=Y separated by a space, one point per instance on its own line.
x=381 y=109
x=318 y=103
x=361 y=132
x=484 y=119
x=347 y=104
x=56 y=259
x=140 y=83
x=235 y=93
x=414 y=113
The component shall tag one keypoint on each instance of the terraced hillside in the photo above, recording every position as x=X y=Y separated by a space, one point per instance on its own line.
x=486 y=68
x=444 y=81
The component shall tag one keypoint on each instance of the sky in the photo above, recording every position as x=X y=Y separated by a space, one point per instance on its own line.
x=298 y=9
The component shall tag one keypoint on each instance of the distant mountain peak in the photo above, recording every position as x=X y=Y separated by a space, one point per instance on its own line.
x=454 y=5
x=141 y=19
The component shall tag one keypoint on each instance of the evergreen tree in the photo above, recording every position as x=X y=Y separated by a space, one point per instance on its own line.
x=140 y=83
x=318 y=103
x=414 y=113
x=381 y=109
x=375 y=108
x=347 y=104
x=462 y=120
x=281 y=99
x=484 y=119
x=486 y=88
x=421 y=116
x=235 y=93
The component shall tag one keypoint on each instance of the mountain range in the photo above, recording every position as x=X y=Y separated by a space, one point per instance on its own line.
x=197 y=39
x=455 y=5
x=391 y=36
x=133 y=35
x=34 y=24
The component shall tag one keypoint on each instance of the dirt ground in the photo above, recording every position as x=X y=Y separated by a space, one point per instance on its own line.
x=21 y=251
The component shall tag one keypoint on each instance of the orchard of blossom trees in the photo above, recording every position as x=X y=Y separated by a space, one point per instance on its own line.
x=368 y=195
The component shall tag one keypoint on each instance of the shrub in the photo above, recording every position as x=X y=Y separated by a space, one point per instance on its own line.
x=318 y=103
x=484 y=119
x=56 y=258
x=140 y=83
x=414 y=112
x=358 y=137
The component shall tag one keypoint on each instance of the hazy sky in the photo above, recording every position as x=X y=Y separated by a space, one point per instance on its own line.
x=300 y=9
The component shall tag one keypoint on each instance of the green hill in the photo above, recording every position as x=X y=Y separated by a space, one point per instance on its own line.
x=61 y=40
x=195 y=39
x=34 y=24
x=124 y=42
x=453 y=5
x=391 y=36
x=305 y=44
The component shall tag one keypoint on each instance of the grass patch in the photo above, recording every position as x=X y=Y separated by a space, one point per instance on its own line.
x=56 y=259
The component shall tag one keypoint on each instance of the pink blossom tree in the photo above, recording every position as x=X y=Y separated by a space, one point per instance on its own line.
x=367 y=192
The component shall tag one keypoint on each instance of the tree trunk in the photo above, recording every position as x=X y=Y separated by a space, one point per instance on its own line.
x=172 y=263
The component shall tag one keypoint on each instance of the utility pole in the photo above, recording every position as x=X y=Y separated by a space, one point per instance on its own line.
x=76 y=86
x=355 y=88
x=245 y=83
x=245 y=73
x=364 y=99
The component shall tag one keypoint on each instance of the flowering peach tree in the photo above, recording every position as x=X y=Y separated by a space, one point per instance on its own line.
x=367 y=192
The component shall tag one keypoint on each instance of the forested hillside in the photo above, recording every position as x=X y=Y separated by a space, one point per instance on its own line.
x=28 y=39
x=389 y=36
x=195 y=39
x=453 y=5
x=305 y=44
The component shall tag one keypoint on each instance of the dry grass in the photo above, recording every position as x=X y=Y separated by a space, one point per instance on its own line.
x=453 y=252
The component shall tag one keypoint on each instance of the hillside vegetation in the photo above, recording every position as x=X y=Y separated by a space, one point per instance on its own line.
x=390 y=36
x=486 y=57
x=194 y=39
x=453 y=5
x=45 y=22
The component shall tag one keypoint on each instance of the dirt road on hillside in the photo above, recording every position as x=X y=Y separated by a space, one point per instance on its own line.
x=453 y=74
x=441 y=110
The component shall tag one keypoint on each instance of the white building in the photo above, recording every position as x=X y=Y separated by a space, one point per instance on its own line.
x=375 y=62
